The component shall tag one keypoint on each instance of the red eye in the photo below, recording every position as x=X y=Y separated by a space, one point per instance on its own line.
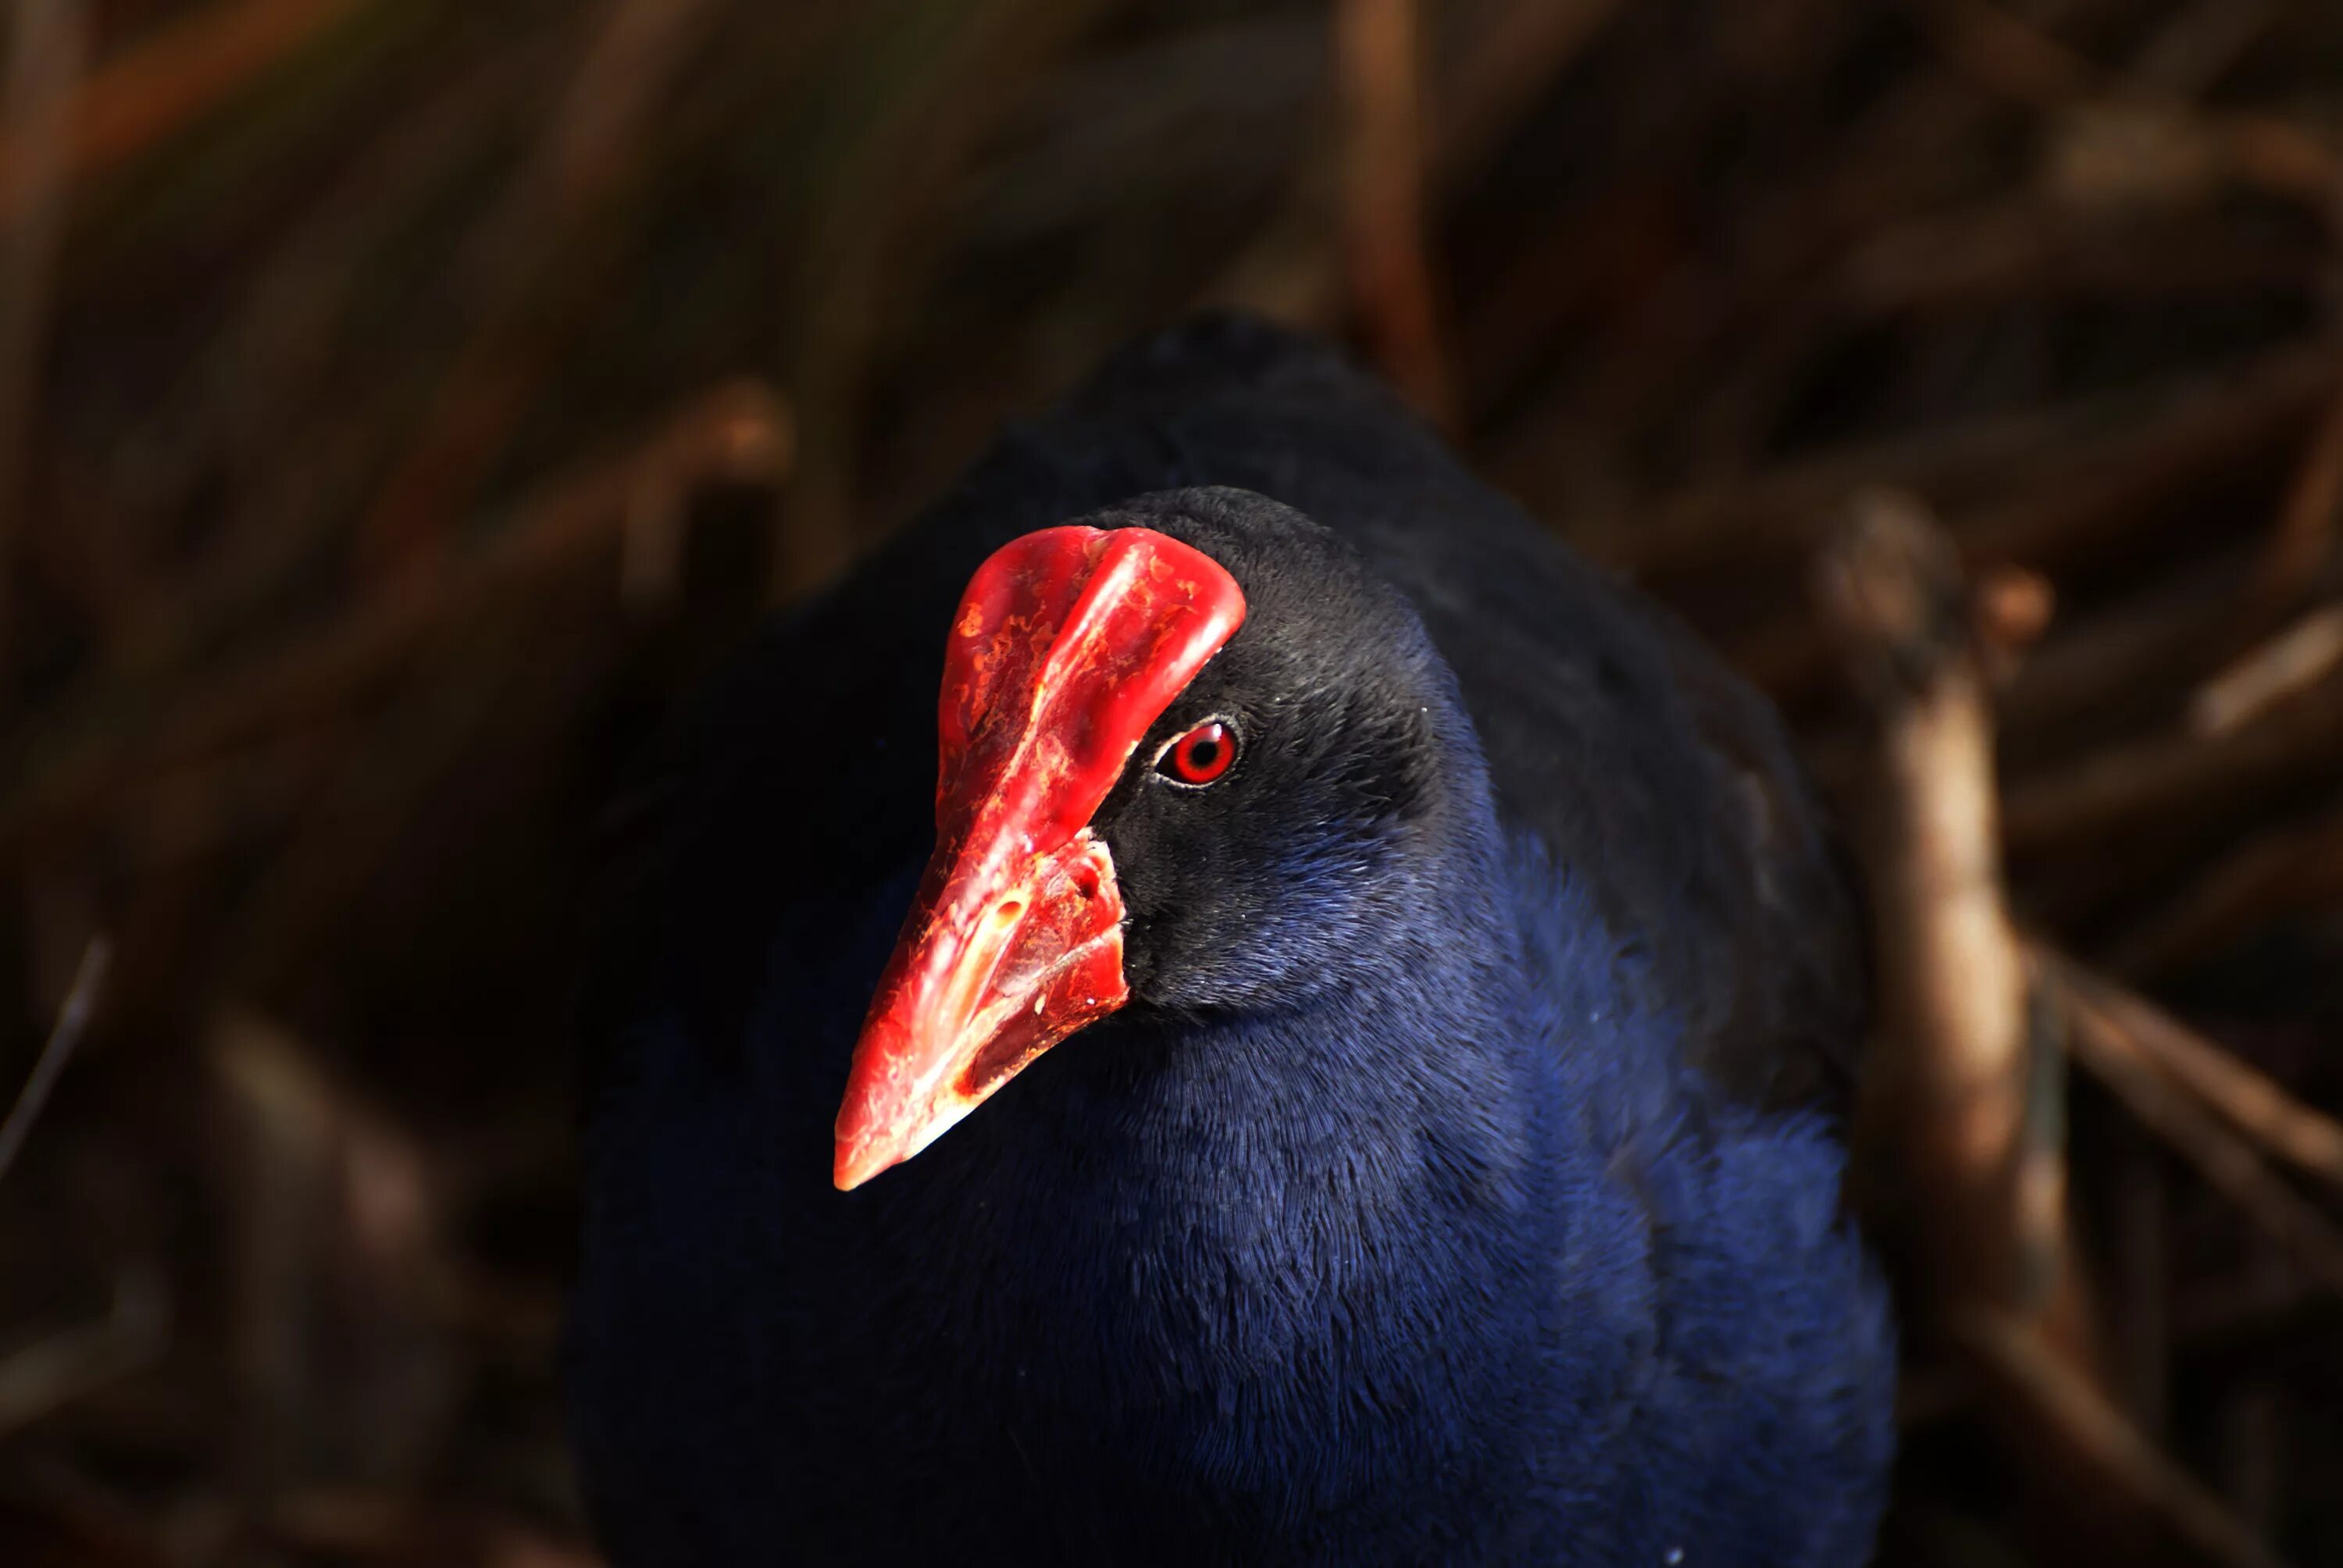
x=1201 y=755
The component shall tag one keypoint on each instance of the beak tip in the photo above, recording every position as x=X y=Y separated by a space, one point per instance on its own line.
x=857 y=1163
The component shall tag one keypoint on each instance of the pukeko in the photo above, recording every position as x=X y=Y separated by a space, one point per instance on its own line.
x=1359 y=1080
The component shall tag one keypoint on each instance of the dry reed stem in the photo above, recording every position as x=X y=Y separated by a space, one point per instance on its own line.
x=1378 y=47
x=2305 y=534
x=46 y=42
x=1505 y=65
x=2198 y=44
x=1953 y=987
x=2069 y=471
x=739 y=432
x=2015 y=1355
x=530 y=254
x=2137 y=782
x=54 y=1373
x=2287 y=872
x=64 y=1039
x=2299 y=1134
x=2287 y=665
x=2103 y=1040
x=186 y=69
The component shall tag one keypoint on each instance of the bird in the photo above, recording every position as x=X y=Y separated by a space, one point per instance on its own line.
x=1224 y=998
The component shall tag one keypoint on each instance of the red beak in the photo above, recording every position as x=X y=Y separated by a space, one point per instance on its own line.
x=1068 y=645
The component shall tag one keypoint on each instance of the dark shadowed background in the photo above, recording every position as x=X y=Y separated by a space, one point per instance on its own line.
x=402 y=400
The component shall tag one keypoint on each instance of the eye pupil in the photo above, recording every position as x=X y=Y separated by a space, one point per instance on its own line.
x=1203 y=754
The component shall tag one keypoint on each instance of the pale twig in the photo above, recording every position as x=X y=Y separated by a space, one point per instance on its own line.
x=1958 y=1098
x=64 y=1037
x=2291 y=662
x=2102 y=1040
x=2304 y=1137
x=2016 y=1356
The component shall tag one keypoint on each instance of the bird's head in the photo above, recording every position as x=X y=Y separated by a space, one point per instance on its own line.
x=1189 y=752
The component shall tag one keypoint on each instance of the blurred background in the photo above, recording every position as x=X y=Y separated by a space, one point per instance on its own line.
x=401 y=401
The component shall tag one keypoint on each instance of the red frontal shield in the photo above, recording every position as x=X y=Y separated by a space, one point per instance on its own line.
x=1068 y=645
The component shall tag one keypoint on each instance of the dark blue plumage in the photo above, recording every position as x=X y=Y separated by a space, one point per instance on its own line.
x=1460 y=1186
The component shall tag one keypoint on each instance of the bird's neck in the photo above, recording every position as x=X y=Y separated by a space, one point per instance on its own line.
x=1292 y=1244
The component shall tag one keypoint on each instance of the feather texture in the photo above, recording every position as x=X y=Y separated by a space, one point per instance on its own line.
x=1464 y=1187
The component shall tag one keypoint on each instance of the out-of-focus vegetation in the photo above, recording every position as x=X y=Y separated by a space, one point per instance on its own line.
x=402 y=400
